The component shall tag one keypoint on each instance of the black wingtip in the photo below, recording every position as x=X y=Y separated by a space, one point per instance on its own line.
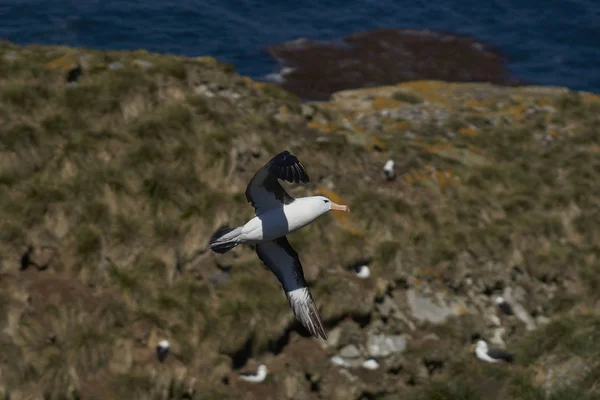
x=219 y=247
x=287 y=167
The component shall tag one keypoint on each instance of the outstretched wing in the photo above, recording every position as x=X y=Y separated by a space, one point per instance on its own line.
x=264 y=191
x=284 y=262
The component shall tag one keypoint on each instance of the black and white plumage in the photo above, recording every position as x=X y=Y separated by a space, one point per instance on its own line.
x=491 y=355
x=259 y=376
x=504 y=306
x=362 y=271
x=162 y=350
x=388 y=171
x=277 y=214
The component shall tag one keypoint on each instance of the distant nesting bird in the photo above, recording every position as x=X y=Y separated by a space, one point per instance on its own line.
x=388 y=170
x=277 y=214
x=74 y=73
x=504 y=306
x=259 y=376
x=362 y=271
x=162 y=350
x=371 y=364
x=339 y=361
x=491 y=355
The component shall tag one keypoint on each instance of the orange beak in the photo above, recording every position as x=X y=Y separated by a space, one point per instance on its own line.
x=339 y=207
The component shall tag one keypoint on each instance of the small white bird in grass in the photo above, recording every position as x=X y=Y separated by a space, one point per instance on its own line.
x=371 y=364
x=339 y=361
x=362 y=271
x=277 y=214
x=259 y=376
x=162 y=350
x=388 y=170
x=503 y=305
x=491 y=355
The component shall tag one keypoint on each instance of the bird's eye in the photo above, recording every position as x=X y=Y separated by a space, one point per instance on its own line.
x=325 y=201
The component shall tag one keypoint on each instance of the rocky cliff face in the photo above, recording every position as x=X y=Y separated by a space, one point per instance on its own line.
x=112 y=186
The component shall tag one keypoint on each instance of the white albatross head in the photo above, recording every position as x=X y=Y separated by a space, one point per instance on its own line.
x=324 y=204
x=482 y=347
x=363 y=272
x=262 y=370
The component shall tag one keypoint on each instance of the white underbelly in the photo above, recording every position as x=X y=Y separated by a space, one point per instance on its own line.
x=274 y=224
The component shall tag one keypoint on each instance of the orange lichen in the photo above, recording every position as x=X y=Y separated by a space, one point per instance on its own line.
x=341 y=217
x=430 y=272
x=397 y=126
x=472 y=103
x=346 y=224
x=590 y=98
x=356 y=128
x=207 y=60
x=435 y=91
x=381 y=103
x=429 y=176
x=467 y=131
x=327 y=128
x=63 y=62
x=517 y=112
x=438 y=148
x=374 y=143
x=594 y=148
x=462 y=310
x=258 y=85
x=543 y=102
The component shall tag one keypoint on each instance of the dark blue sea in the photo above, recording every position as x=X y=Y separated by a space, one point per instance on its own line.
x=546 y=42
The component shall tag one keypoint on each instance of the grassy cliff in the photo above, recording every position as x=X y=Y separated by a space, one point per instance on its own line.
x=112 y=187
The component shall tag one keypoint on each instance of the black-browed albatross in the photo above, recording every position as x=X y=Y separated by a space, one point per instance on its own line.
x=277 y=214
x=491 y=355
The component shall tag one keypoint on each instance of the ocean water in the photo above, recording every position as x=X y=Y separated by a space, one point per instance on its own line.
x=551 y=42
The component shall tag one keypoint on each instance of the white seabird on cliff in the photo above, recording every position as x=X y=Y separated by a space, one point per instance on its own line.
x=388 y=170
x=491 y=355
x=277 y=214
x=504 y=305
x=362 y=271
x=371 y=364
x=162 y=350
x=259 y=376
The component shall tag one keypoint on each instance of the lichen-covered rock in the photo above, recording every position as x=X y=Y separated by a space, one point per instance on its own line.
x=381 y=345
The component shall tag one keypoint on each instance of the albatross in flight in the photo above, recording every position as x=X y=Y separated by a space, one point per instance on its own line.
x=277 y=214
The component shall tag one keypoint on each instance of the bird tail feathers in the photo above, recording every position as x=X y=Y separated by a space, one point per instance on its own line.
x=225 y=239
